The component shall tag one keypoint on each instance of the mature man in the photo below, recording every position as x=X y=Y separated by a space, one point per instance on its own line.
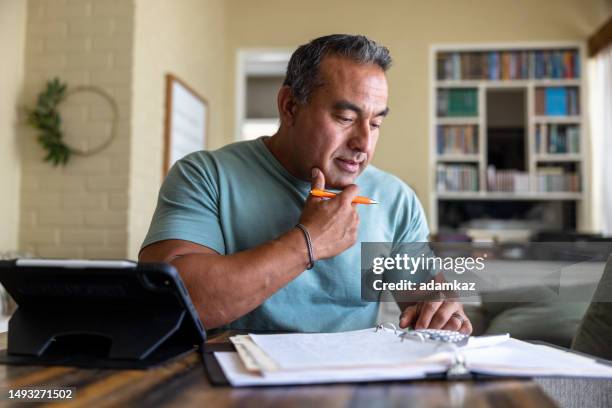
x=227 y=219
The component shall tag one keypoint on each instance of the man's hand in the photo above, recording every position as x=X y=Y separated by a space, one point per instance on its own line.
x=447 y=315
x=331 y=223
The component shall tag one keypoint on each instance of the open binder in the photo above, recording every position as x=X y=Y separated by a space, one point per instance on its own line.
x=484 y=359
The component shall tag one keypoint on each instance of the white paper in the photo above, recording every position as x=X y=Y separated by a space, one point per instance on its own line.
x=360 y=348
x=238 y=376
x=485 y=341
x=384 y=353
x=252 y=357
x=516 y=357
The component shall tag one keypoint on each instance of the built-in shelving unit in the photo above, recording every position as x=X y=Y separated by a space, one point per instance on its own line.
x=507 y=126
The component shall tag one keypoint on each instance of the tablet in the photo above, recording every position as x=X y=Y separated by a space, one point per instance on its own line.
x=86 y=313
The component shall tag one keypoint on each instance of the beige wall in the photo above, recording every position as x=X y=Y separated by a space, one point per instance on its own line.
x=407 y=28
x=185 y=38
x=79 y=210
x=12 y=44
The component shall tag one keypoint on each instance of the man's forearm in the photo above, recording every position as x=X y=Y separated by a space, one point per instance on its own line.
x=225 y=287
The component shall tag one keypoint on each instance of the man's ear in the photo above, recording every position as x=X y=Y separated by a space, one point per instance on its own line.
x=287 y=105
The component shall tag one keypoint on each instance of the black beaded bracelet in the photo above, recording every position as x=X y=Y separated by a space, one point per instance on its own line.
x=309 y=245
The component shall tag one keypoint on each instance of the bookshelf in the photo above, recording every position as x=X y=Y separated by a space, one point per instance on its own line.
x=507 y=131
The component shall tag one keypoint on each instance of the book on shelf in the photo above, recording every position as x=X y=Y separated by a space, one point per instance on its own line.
x=457 y=102
x=556 y=64
x=457 y=139
x=514 y=65
x=507 y=180
x=493 y=65
x=557 y=139
x=508 y=65
x=547 y=179
x=556 y=179
x=456 y=177
x=557 y=101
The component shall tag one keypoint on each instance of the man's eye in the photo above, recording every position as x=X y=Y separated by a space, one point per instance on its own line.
x=375 y=125
x=344 y=119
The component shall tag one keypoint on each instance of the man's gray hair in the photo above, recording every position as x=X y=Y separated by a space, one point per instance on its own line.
x=303 y=69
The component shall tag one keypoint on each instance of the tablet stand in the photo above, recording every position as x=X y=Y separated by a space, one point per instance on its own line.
x=95 y=338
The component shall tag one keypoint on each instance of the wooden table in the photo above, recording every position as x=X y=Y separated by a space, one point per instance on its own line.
x=183 y=383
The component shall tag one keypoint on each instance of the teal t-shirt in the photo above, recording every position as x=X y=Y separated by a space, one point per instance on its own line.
x=240 y=196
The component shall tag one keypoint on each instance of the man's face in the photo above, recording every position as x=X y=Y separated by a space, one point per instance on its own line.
x=337 y=129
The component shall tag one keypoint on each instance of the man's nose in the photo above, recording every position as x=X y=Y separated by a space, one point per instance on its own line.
x=361 y=137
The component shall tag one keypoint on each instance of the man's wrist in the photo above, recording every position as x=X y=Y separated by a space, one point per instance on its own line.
x=293 y=240
x=311 y=257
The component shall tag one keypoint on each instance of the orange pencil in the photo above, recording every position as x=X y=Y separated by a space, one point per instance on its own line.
x=328 y=194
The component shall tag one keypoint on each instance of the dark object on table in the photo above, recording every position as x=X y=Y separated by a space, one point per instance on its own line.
x=112 y=314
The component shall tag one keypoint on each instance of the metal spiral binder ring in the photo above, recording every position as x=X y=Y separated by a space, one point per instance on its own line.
x=381 y=327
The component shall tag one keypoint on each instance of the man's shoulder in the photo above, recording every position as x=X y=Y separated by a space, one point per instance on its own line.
x=232 y=150
x=209 y=166
x=228 y=158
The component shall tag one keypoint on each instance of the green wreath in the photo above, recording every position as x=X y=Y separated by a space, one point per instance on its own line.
x=46 y=118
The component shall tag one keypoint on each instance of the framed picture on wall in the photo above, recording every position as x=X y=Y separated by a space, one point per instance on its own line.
x=186 y=121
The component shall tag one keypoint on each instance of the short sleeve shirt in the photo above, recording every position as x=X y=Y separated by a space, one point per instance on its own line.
x=241 y=196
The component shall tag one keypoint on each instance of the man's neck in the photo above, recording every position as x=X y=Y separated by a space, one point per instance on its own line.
x=277 y=145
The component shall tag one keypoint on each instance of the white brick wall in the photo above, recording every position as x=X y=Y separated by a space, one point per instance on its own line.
x=80 y=210
x=101 y=206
